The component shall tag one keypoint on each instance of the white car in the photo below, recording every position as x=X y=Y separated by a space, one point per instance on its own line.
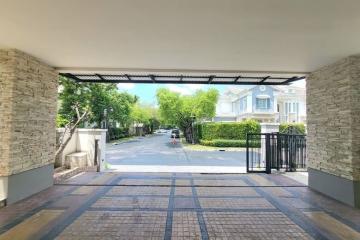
x=160 y=131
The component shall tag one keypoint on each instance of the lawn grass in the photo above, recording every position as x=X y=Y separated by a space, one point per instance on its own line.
x=199 y=147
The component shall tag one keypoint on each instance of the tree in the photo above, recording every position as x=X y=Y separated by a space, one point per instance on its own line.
x=147 y=115
x=96 y=97
x=70 y=128
x=184 y=110
x=140 y=115
x=71 y=93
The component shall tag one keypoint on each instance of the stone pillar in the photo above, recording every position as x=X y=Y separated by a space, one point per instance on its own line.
x=28 y=104
x=333 y=123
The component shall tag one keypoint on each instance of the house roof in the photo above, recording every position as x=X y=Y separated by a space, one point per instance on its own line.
x=284 y=90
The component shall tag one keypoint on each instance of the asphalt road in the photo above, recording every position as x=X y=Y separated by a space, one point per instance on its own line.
x=157 y=150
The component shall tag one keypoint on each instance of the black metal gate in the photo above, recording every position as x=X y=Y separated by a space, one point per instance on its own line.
x=278 y=151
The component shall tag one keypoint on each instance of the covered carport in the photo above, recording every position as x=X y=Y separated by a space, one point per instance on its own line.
x=232 y=42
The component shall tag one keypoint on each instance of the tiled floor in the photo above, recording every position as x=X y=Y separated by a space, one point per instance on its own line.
x=179 y=206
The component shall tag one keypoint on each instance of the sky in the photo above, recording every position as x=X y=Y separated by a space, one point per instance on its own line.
x=147 y=92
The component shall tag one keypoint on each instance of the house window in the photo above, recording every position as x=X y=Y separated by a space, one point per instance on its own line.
x=262 y=103
x=291 y=107
x=243 y=104
x=292 y=110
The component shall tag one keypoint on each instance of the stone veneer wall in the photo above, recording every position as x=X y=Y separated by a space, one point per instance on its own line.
x=28 y=105
x=333 y=113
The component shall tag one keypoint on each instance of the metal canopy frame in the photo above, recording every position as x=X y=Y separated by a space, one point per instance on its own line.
x=183 y=79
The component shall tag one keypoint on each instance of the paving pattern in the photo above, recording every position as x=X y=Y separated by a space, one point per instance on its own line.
x=179 y=206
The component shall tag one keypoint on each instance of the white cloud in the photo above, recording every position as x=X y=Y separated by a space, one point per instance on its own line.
x=125 y=86
x=178 y=89
x=194 y=87
x=300 y=83
x=185 y=89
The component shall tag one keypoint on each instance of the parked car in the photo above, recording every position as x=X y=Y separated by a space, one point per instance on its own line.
x=160 y=131
x=176 y=133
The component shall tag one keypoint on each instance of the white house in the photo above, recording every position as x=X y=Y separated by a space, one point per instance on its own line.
x=264 y=103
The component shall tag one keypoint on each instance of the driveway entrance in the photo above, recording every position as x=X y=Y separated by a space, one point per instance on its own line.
x=156 y=153
x=166 y=206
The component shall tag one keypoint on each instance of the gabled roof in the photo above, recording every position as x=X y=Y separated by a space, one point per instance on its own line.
x=237 y=92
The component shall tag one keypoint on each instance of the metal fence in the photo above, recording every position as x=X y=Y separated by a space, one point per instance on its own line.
x=268 y=151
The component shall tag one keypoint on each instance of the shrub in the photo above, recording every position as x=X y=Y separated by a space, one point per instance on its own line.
x=299 y=128
x=229 y=143
x=117 y=133
x=231 y=131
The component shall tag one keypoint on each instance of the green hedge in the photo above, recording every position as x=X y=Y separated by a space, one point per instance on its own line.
x=229 y=143
x=229 y=131
x=117 y=133
x=299 y=128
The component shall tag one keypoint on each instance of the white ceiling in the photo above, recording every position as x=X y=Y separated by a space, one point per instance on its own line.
x=241 y=35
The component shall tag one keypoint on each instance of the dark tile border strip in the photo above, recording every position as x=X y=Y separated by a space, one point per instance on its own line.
x=179 y=196
x=136 y=195
x=316 y=206
x=7 y=226
x=220 y=177
x=169 y=185
x=67 y=220
x=291 y=212
x=308 y=200
x=170 y=211
x=201 y=210
x=200 y=216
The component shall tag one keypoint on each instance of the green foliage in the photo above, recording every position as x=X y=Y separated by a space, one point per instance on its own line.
x=146 y=114
x=72 y=93
x=141 y=114
x=231 y=131
x=170 y=104
x=229 y=143
x=95 y=97
x=183 y=110
x=117 y=133
x=298 y=128
x=61 y=121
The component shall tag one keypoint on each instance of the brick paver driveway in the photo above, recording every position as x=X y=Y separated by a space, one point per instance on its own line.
x=179 y=206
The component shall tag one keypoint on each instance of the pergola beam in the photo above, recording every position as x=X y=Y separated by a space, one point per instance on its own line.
x=128 y=77
x=70 y=75
x=101 y=77
x=293 y=79
x=211 y=78
x=183 y=79
x=264 y=79
x=153 y=79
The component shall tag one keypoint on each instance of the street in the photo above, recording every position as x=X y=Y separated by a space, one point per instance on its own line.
x=156 y=153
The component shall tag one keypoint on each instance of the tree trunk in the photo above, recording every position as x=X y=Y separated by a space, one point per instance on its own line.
x=188 y=134
x=64 y=144
x=72 y=129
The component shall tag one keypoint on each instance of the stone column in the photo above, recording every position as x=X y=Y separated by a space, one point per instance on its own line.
x=333 y=123
x=28 y=103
